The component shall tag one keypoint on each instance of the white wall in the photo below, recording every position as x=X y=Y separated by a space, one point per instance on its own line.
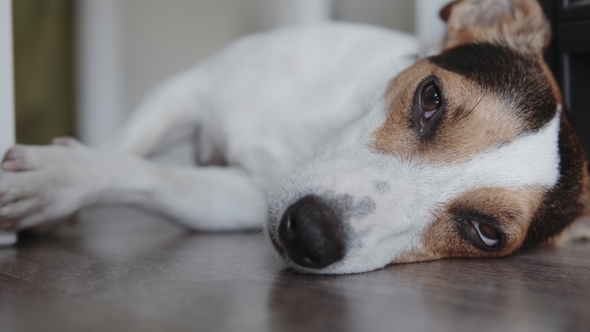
x=305 y=11
x=394 y=14
x=428 y=26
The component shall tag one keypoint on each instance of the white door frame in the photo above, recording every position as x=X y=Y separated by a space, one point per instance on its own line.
x=99 y=109
x=6 y=93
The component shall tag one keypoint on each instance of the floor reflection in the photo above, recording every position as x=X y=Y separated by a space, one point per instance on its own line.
x=501 y=295
x=308 y=303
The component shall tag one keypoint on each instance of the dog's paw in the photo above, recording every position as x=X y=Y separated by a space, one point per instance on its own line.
x=24 y=158
x=580 y=229
x=16 y=160
x=44 y=183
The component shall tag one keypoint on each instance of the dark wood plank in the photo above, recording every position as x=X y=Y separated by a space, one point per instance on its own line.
x=125 y=271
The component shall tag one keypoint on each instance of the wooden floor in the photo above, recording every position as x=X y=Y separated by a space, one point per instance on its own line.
x=125 y=271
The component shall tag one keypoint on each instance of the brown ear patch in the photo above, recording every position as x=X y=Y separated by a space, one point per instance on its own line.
x=511 y=208
x=445 y=12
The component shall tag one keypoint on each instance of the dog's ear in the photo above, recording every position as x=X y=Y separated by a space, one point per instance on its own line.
x=445 y=12
x=520 y=24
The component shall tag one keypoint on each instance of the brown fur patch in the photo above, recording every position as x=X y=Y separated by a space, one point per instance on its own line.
x=512 y=209
x=465 y=129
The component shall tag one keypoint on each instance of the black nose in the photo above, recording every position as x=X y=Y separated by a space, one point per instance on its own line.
x=312 y=234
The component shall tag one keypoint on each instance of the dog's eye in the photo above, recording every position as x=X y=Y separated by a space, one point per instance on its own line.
x=428 y=108
x=482 y=232
x=431 y=100
x=488 y=234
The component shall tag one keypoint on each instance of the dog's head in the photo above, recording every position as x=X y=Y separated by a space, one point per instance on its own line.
x=469 y=154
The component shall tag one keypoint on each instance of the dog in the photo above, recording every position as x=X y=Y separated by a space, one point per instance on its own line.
x=356 y=154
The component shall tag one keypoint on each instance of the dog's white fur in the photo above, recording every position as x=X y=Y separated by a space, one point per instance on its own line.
x=258 y=109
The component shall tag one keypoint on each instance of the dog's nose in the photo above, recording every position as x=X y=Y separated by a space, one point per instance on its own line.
x=312 y=234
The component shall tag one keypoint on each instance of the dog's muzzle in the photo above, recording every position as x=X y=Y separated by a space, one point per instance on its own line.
x=311 y=233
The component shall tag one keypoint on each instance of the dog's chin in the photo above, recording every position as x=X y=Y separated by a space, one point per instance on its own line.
x=344 y=266
x=333 y=269
x=337 y=268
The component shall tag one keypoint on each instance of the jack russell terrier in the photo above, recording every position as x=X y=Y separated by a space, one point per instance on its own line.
x=356 y=154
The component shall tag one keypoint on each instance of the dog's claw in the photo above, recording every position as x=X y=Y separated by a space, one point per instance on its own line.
x=13 y=160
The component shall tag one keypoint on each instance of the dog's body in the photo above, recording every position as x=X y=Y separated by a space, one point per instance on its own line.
x=451 y=158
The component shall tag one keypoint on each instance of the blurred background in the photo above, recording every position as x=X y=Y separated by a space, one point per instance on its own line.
x=81 y=66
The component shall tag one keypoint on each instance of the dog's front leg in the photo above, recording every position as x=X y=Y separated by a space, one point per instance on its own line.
x=44 y=183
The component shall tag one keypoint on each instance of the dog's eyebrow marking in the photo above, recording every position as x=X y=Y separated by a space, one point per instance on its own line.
x=516 y=77
x=381 y=187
